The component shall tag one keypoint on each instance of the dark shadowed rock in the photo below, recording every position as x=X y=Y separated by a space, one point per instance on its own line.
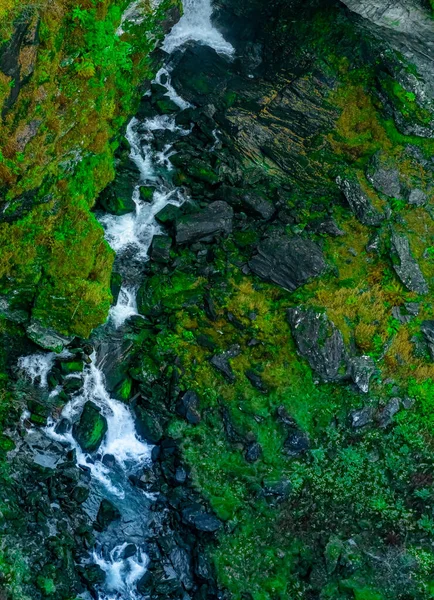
x=148 y=424
x=187 y=407
x=160 y=249
x=196 y=516
x=361 y=418
x=288 y=261
x=427 y=329
x=205 y=225
x=169 y=214
x=253 y=452
x=359 y=202
x=107 y=513
x=320 y=343
x=385 y=418
x=256 y=380
x=91 y=428
x=296 y=443
x=221 y=362
x=406 y=266
x=327 y=226
x=257 y=206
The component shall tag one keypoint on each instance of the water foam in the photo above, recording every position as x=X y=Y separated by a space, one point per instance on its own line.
x=196 y=25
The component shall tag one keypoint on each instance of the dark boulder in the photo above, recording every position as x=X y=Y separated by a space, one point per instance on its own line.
x=320 y=342
x=256 y=380
x=359 y=202
x=169 y=214
x=296 y=443
x=385 y=418
x=187 y=407
x=90 y=430
x=253 y=452
x=107 y=513
x=195 y=516
x=221 y=362
x=405 y=265
x=160 y=249
x=148 y=424
x=288 y=261
x=362 y=417
x=213 y=220
x=117 y=198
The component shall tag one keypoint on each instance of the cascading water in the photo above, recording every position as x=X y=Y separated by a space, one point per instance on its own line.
x=122 y=452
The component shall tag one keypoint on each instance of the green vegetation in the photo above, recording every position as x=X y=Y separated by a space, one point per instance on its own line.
x=56 y=155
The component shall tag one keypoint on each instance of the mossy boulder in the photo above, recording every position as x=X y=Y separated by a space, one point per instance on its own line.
x=91 y=428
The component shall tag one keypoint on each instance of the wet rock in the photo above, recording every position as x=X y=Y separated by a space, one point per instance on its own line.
x=160 y=249
x=93 y=575
x=107 y=513
x=277 y=491
x=384 y=177
x=91 y=428
x=288 y=261
x=253 y=452
x=147 y=192
x=196 y=517
x=45 y=337
x=148 y=423
x=320 y=342
x=187 y=407
x=256 y=380
x=389 y=411
x=129 y=550
x=406 y=266
x=359 y=202
x=221 y=362
x=182 y=565
x=80 y=493
x=215 y=219
x=117 y=198
x=362 y=368
x=361 y=418
x=169 y=214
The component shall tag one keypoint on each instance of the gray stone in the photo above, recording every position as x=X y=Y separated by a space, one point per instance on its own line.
x=361 y=418
x=359 y=202
x=47 y=338
x=417 y=198
x=205 y=225
x=362 y=368
x=384 y=177
x=320 y=342
x=288 y=261
x=406 y=266
x=386 y=416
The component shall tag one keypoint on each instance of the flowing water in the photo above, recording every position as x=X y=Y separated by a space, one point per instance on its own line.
x=122 y=452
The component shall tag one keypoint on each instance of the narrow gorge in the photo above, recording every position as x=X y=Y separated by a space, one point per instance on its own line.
x=216 y=279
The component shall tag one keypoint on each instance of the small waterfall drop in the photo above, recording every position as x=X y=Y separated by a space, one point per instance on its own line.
x=196 y=25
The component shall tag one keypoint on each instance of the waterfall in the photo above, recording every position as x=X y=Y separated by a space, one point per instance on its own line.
x=130 y=236
x=196 y=25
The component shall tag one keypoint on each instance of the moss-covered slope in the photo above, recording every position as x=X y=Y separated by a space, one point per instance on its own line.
x=69 y=79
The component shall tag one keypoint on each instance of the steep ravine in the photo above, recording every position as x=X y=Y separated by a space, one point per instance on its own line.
x=254 y=419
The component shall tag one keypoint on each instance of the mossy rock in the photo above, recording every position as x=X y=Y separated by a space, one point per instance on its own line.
x=91 y=428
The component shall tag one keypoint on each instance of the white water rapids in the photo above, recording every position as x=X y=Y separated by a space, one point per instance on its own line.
x=130 y=236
